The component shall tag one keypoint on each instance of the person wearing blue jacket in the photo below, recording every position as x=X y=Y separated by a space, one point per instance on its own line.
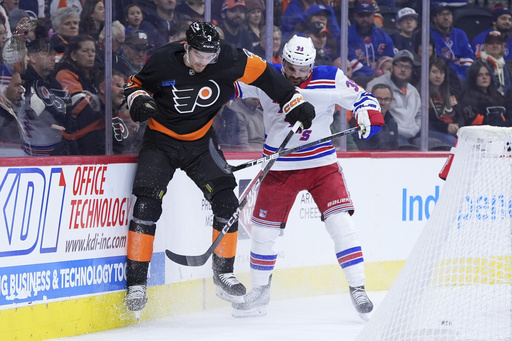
x=450 y=42
x=501 y=22
x=367 y=43
x=298 y=11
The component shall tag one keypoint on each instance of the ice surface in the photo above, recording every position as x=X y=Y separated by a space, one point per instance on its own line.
x=330 y=317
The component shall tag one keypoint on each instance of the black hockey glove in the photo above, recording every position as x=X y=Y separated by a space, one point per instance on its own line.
x=142 y=108
x=297 y=109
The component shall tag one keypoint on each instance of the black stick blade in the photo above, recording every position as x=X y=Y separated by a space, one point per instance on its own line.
x=218 y=159
x=187 y=260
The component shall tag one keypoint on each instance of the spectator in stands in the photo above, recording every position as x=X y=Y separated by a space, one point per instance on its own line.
x=19 y=21
x=42 y=115
x=481 y=102
x=178 y=31
x=65 y=23
x=11 y=89
x=406 y=102
x=387 y=138
x=233 y=18
x=191 y=10
x=406 y=23
x=250 y=122
x=226 y=127
x=35 y=8
x=319 y=34
x=445 y=115
x=384 y=65
x=260 y=49
x=92 y=18
x=366 y=43
x=3 y=18
x=75 y=5
x=492 y=53
x=118 y=36
x=501 y=22
x=3 y=37
x=298 y=11
x=85 y=123
x=254 y=20
x=160 y=22
x=126 y=134
x=450 y=42
x=134 y=54
x=10 y=5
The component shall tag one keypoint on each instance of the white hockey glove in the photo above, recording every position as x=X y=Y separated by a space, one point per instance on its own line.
x=370 y=121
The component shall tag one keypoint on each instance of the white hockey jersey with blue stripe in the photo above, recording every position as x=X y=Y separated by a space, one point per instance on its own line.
x=326 y=87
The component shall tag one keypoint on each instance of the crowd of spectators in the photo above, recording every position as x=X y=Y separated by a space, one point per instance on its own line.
x=52 y=67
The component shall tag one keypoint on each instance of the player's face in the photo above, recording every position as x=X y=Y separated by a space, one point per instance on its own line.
x=296 y=74
x=198 y=60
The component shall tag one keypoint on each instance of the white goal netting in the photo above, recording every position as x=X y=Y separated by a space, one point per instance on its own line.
x=456 y=284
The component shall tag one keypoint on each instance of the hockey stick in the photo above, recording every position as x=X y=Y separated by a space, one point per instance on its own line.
x=202 y=259
x=227 y=168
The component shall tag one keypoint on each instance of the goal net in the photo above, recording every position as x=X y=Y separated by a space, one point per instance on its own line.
x=456 y=284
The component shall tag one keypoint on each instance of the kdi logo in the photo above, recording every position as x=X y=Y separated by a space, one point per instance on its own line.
x=31 y=205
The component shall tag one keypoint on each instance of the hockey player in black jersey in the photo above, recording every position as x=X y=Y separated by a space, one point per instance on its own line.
x=179 y=91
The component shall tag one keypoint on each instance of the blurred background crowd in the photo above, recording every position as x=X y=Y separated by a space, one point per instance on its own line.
x=54 y=97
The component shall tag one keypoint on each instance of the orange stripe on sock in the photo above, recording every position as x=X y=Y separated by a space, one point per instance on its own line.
x=140 y=246
x=227 y=247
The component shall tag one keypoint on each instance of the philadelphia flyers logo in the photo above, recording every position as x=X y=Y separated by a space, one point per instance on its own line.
x=186 y=100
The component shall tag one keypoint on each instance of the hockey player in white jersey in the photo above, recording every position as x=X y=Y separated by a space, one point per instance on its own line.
x=313 y=169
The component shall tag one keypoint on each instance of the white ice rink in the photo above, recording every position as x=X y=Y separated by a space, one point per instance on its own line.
x=312 y=318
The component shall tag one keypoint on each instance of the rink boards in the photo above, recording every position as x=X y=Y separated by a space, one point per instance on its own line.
x=63 y=235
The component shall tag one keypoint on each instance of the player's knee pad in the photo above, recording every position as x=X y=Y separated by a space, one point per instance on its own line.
x=263 y=239
x=212 y=188
x=147 y=208
x=340 y=226
x=224 y=204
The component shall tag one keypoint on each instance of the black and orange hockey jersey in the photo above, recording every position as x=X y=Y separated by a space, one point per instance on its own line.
x=187 y=101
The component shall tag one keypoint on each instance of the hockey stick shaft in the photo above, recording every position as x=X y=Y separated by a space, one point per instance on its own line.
x=202 y=259
x=230 y=169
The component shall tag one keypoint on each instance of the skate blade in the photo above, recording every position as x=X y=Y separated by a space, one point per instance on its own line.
x=227 y=297
x=364 y=317
x=137 y=314
x=255 y=312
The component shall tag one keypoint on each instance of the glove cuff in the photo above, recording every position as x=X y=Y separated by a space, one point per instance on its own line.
x=131 y=97
x=296 y=100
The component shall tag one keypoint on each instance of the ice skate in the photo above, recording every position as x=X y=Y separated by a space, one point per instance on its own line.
x=228 y=287
x=136 y=299
x=361 y=301
x=255 y=303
